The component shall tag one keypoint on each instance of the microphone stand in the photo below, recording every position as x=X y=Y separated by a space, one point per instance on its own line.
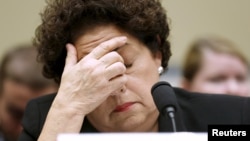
x=171 y=114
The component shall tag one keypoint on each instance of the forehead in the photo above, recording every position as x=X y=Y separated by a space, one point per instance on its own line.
x=100 y=33
x=213 y=61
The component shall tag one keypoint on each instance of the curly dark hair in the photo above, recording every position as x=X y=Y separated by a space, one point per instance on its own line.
x=65 y=20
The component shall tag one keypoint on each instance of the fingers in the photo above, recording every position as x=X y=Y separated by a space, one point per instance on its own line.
x=111 y=61
x=113 y=64
x=71 y=58
x=111 y=58
x=115 y=70
x=107 y=47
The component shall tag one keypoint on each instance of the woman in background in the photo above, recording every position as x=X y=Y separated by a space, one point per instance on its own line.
x=214 y=65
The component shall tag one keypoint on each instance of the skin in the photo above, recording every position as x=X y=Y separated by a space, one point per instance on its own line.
x=16 y=95
x=107 y=78
x=221 y=74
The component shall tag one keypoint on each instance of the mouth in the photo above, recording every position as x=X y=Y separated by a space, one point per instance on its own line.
x=124 y=107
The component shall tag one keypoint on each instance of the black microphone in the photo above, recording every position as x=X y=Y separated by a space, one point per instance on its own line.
x=165 y=100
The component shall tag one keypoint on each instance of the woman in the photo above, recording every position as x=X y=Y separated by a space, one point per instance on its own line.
x=116 y=50
x=214 y=65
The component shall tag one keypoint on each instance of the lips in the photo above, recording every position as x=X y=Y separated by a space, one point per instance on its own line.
x=123 y=107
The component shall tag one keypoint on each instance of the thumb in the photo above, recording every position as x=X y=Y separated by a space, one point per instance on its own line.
x=71 y=58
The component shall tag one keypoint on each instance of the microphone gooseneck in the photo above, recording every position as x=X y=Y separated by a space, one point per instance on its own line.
x=165 y=100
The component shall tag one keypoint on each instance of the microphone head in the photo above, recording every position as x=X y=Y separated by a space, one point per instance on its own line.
x=164 y=96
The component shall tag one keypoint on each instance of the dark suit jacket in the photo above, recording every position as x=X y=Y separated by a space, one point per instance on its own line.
x=194 y=113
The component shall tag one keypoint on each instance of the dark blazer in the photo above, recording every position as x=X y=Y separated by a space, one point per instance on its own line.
x=195 y=112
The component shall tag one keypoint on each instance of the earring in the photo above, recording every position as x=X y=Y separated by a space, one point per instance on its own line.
x=160 y=70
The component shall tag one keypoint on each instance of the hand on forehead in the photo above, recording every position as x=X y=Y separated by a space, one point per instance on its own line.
x=107 y=47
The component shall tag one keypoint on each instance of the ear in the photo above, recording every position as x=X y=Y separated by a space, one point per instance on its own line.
x=158 y=54
x=158 y=39
x=185 y=84
x=158 y=58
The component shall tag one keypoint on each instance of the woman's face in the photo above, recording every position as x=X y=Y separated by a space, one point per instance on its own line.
x=133 y=109
x=222 y=73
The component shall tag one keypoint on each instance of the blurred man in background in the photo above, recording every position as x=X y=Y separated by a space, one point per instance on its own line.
x=21 y=79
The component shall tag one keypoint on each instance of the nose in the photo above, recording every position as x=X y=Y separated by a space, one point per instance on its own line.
x=119 y=91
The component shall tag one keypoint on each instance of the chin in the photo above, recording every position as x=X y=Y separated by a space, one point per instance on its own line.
x=132 y=124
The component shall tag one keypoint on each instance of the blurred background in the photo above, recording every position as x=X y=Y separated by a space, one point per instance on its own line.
x=188 y=20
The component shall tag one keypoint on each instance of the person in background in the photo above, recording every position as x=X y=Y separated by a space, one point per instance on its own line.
x=106 y=56
x=21 y=80
x=215 y=65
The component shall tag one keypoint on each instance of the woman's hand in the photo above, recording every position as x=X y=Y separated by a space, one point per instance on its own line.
x=87 y=83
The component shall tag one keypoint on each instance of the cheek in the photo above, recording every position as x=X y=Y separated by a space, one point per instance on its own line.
x=141 y=90
x=101 y=112
x=94 y=116
x=141 y=81
x=207 y=87
x=145 y=74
